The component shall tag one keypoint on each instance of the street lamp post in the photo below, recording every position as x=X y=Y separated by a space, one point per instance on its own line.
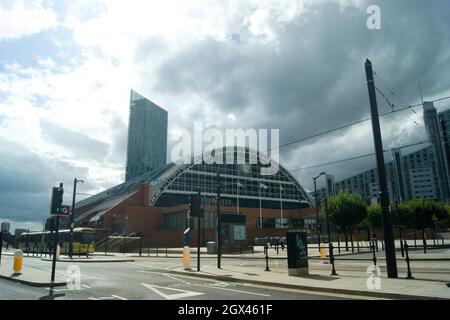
x=325 y=200
x=318 y=229
x=72 y=215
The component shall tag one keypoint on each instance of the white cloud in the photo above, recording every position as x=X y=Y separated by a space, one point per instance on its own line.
x=25 y=18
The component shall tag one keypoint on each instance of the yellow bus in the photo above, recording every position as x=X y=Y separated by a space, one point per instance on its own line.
x=83 y=241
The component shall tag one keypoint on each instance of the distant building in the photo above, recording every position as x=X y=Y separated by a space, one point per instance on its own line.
x=436 y=139
x=147 y=137
x=19 y=231
x=5 y=226
x=419 y=174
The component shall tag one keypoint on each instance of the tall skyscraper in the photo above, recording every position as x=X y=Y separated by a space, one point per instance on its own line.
x=434 y=136
x=147 y=137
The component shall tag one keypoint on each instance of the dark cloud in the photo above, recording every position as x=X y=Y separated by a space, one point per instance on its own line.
x=314 y=78
x=80 y=144
x=26 y=179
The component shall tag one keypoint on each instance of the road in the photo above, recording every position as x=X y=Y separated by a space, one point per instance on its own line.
x=148 y=279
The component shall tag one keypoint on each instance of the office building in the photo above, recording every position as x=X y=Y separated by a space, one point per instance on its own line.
x=5 y=226
x=435 y=137
x=147 y=137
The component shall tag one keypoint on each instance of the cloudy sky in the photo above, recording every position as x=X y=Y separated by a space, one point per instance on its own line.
x=67 y=67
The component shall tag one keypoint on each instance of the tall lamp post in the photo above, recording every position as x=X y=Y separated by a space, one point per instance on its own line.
x=318 y=229
x=325 y=201
x=72 y=215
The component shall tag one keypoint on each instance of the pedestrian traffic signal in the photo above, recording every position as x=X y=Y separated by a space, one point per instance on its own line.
x=194 y=205
x=57 y=199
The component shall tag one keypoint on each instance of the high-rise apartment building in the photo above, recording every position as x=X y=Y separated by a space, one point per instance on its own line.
x=147 y=137
x=435 y=137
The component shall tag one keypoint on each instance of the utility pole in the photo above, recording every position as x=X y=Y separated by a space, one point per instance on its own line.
x=72 y=216
x=199 y=211
x=219 y=224
x=391 y=262
x=55 y=245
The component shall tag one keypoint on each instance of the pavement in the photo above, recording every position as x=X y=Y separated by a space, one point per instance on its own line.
x=28 y=275
x=148 y=279
x=127 y=275
x=320 y=280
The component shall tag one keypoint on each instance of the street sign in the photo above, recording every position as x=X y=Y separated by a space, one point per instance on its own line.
x=63 y=211
x=434 y=218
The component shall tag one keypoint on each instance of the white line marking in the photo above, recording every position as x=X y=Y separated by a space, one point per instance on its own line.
x=240 y=291
x=183 y=294
x=118 y=297
x=85 y=286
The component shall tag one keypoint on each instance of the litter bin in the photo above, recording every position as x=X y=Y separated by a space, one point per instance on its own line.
x=297 y=253
x=211 y=247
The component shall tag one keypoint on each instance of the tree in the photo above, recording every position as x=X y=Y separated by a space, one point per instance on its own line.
x=422 y=212
x=346 y=211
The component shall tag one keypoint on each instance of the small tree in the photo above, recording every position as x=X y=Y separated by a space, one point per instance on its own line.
x=346 y=211
x=373 y=219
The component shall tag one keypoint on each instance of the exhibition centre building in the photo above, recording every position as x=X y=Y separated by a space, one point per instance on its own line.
x=155 y=205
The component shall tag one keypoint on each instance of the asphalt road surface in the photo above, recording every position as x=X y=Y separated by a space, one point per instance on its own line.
x=148 y=279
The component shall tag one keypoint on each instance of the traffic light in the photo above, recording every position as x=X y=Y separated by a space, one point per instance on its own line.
x=194 y=205
x=57 y=198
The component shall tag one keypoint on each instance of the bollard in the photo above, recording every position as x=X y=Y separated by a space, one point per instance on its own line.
x=357 y=245
x=333 y=270
x=415 y=239
x=186 y=258
x=323 y=254
x=351 y=241
x=409 y=275
x=339 y=244
x=277 y=248
x=382 y=245
x=17 y=264
x=424 y=237
x=157 y=252
x=148 y=252
x=166 y=252
x=374 y=254
x=253 y=249
x=140 y=247
x=266 y=249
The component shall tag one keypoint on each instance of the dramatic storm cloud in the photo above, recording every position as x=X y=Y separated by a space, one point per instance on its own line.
x=66 y=70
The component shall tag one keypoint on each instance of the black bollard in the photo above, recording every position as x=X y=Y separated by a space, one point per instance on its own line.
x=277 y=248
x=409 y=275
x=140 y=247
x=374 y=253
x=166 y=252
x=339 y=244
x=266 y=248
x=351 y=242
x=333 y=270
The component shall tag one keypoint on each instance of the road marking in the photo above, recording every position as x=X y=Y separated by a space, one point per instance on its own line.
x=83 y=285
x=234 y=290
x=165 y=274
x=327 y=294
x=107 y=298
x=182 y=294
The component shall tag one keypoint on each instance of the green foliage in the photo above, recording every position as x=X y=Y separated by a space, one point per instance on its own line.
x=346 y=210
x=374 y=216
x=422 y=210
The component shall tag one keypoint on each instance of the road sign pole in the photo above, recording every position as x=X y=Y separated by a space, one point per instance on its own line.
x=72 y=215
x=198 y=233
x=55 y=244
